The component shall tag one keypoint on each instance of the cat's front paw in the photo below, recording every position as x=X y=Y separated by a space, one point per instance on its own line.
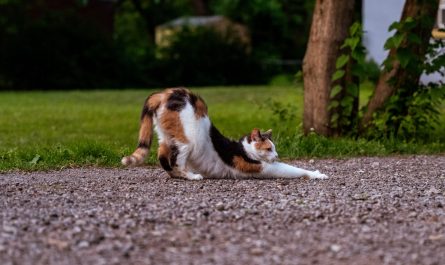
x=191 y=176
x=317 y=175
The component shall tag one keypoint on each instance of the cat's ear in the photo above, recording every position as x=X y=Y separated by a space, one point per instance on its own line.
x=255 y=135
x=267 y=134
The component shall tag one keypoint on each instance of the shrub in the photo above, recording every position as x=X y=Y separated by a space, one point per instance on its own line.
x=202 y=56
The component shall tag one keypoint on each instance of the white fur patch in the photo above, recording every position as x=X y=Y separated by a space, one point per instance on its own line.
x=282 y=170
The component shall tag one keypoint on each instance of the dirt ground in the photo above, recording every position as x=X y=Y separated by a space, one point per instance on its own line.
x=370 y=211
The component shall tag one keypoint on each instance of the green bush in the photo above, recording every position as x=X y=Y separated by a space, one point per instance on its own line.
x=202 y=56
x=372 y=70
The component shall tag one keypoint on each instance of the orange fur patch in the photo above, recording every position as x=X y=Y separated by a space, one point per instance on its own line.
x=146 y=130
x=170 y=123
x=244 y=166
x=201 y=108
x=163 y=150
x=155 y=101
x=263 y=145
x=140 y=153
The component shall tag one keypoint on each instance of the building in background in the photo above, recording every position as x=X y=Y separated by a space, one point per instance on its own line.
x=220 y=24
x=439 y=31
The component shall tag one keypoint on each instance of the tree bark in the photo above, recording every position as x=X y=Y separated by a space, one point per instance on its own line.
x=384 y=90
x=330 y=24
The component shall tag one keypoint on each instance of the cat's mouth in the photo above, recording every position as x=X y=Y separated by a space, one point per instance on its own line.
x=271 y=160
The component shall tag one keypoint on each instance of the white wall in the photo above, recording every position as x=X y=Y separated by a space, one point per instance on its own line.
x=378 y=15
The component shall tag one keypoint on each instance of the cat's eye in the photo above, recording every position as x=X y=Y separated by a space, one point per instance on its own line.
x=269 y=149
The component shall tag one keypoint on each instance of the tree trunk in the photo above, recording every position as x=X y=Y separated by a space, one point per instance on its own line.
x=330 y=24
x=384 y=90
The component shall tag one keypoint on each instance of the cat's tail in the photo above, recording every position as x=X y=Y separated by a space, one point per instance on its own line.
x=145 y=135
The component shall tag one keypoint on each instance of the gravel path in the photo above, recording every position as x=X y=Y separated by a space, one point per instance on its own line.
x=371 y=211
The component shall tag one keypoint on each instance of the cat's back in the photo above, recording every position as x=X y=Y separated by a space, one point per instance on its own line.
x=179 y=114
x=176 y=100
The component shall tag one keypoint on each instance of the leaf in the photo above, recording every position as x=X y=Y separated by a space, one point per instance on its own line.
x=335 y=117
x=335 y=90
x=35 y=160
x=389 y=44
x=404 y=57
x=359 y=71
x=341 y=61
x=394 y=26
x=346 y=101
x=354 y=28
x=333 y=104
x=353 y=42
x=359 y=55
x=398 y=39
x=394 y=42
x=345 y=121
x=352 y=90
x=337 y=75
x=350 y=42
x=414 y=38
x=409 y=24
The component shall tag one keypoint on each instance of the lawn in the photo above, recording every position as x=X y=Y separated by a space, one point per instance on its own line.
x=42 y=130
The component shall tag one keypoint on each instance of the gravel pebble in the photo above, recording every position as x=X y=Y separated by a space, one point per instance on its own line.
x=370 y=211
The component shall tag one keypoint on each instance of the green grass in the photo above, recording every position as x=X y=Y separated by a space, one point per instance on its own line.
x=43 y=130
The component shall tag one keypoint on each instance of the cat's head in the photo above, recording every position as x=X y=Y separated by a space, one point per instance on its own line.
x=260 y=146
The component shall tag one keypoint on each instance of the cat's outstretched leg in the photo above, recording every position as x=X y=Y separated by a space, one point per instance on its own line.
x=282 y=170
x=173 y=160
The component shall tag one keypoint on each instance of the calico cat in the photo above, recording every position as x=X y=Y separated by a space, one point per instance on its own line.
x=190 y=147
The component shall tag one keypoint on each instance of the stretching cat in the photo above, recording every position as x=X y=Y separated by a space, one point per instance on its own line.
x=190 y=144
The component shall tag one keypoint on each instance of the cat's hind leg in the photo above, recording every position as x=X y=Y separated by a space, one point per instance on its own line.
x=173 y=160
x=181 y=163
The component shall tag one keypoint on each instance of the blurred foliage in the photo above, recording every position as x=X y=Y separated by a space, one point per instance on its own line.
x=155 y=12
x=62 y=49
x=56 y=50
x=372 y=70
x=413 y=110
x=279 y=28
x=345 y=92
x=203 y=57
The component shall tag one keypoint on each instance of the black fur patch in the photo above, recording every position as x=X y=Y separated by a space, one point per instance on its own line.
x=168 y=163
x=146 y=112
x=227 y=148
x=164 y=163
x=177 y=100
x=192 y=99
x=143 y=145
x=173 y=155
